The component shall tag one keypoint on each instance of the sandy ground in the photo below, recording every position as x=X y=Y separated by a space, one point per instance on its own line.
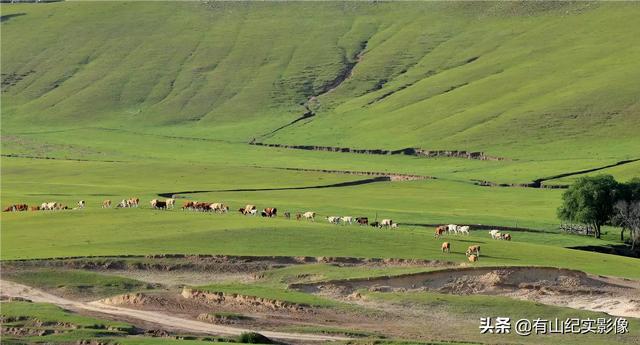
x=553 y=286
x=166 y=321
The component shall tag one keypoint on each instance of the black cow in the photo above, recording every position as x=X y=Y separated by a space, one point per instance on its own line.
x=362 y=220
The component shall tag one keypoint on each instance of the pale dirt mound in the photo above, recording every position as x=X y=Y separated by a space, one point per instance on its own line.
x=541 y=284
x=244 y=302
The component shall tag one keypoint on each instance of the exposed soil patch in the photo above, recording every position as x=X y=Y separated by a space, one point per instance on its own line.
x=209 y=263
x=545 y=285
x=244 y=302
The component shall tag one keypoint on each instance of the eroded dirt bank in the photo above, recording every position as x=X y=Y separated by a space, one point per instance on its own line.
x=554 y=286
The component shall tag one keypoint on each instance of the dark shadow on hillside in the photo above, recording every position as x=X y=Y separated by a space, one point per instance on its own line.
x=537 y=183
x=6 y=17
x=334 y=185
x=613 y=249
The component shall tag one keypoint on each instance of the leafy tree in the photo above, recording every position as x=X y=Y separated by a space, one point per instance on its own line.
x=590 y=201
x=627 y=211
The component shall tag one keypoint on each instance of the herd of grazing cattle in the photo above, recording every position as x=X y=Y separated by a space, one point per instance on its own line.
x=472 y=253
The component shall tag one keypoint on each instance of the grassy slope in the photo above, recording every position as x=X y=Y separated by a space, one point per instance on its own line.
x=236 y=70
x=76 y=283
x=109 y=233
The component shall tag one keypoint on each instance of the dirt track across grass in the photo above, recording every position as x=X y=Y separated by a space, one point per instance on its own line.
x=166 y=321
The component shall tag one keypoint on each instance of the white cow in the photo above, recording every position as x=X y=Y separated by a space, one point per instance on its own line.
x=386 y=222
x=495 y=234
x=463 y=229
x=347 y=220
x=81 y=204
x=452 y=228
x=122 y=204
x=333 y=220
x=309 y=215
x=170 y=202
x=394 y=225
x=253 y=212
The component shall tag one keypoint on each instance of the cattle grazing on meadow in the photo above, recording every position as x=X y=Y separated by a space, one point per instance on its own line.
x=333 y=220
x=122 y=204
x=473 y=250
x=506 y=237
x=375 y=224
x=17 y=208
x=170 y=202
x=464 y=230
x=187 y=205
x=440 y=231
x=219 y=207
x=133 y=202
x=452 y=228
x=106 y=204
x=495 y=234
x=473 y=258
x=80 y=204
x=269 y=212
x=347 y=220
x=309 y=216
x=362 y=220
x=158 y=204
x=386 y=222
x=446 y=247
x=248 y=210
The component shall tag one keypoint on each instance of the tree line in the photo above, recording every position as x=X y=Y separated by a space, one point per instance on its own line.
x=601 y=200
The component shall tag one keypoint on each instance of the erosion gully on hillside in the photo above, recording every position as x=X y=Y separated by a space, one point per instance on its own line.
x=345 y=73
x=177 y=305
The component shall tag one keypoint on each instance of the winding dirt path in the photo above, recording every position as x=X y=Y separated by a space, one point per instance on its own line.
x=171 y=322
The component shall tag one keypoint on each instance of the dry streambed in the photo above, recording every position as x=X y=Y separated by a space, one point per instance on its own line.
x=560 y=287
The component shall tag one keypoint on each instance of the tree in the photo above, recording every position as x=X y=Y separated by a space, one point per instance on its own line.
x=627 y=215
x=627 y=211
x=590 y=201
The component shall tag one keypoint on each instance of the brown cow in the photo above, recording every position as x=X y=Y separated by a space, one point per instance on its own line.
x=34 y=208
x=269 y=212
x=187 y=205
x=506 y=237
x=446 y=247
x=106 y=204
x=440 y=231
x=17 y=208
x=203 y=206
x=133 y=202
x=473 y=250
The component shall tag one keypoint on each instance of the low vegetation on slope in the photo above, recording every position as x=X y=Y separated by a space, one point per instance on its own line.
x=514 y=79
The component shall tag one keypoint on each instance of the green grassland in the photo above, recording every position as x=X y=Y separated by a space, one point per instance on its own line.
x=484 y=76
x=111 y=100
x=76 y=283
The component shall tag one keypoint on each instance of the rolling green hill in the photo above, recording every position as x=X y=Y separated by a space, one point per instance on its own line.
x=521 y=80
